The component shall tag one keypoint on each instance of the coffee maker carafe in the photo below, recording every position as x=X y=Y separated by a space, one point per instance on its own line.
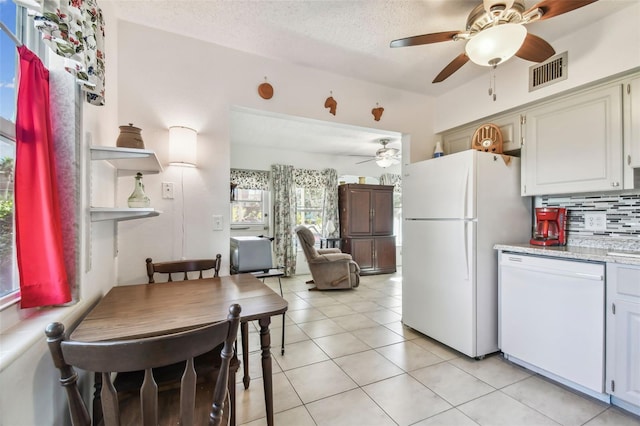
x=549 y=228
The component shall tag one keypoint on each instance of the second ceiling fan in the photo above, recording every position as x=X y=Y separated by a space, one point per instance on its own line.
x=495 y=32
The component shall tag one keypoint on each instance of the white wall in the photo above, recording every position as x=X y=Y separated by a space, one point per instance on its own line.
x=602 y=49
x=165 y=80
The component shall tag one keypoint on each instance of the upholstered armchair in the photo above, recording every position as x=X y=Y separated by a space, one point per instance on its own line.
x=330 y=268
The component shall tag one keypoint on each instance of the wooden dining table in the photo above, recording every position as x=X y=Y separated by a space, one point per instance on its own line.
x=143 y=310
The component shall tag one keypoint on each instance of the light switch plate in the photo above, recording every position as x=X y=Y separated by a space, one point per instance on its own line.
x=167 y=190
x=217 y=222
x=595 y=221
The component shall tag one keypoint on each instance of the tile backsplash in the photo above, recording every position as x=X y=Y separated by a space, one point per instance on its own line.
x=623 y=216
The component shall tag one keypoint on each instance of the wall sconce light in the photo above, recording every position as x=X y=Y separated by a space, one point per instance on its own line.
x=183 y=143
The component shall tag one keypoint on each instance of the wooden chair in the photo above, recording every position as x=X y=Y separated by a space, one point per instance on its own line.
x=174 y=406
x=183 y=267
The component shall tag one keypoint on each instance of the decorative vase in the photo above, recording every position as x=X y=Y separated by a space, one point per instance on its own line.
x=130 y=137
x=138 y=198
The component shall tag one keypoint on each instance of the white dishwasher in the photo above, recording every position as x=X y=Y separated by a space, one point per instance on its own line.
x=552 y=318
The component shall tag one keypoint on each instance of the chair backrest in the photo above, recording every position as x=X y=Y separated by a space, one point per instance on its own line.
x=307 y=241
x=183 y=267
x=145 y=354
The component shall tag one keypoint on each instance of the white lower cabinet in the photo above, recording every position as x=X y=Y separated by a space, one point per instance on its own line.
x=623 y=335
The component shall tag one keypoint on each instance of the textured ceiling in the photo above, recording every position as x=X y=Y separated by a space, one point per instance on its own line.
x=346 y=37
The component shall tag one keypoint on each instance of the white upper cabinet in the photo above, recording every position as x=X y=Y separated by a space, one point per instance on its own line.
x=632 y=133
x=457 y=140
x=460 y=139
x=574 y=144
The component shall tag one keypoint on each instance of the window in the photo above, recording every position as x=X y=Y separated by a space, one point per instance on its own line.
x=8 y=268
x=21 y=25
x=309 y=210
x=249 y=207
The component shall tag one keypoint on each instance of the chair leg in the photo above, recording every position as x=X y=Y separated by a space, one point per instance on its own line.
x=232 y=397
x=244 y=331
x=281 y=295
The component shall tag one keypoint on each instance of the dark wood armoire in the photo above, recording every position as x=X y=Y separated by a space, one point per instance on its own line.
x=366 y=226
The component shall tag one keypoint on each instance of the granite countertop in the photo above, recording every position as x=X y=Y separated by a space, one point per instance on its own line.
x=594 y=254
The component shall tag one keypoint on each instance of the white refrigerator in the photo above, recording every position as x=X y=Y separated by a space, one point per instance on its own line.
x=455 y=208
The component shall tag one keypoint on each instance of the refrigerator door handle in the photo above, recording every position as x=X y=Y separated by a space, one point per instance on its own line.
x=466 y=247
x=465 y=194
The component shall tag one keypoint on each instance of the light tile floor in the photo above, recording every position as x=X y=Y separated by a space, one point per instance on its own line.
x=349 y=361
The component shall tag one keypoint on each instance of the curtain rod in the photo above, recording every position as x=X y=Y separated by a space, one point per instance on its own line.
x=10 y=34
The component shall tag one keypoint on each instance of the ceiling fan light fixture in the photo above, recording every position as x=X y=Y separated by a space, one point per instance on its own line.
x=385 y=162
x=496 y=44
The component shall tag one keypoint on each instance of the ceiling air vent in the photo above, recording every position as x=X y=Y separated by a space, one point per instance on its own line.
x=548 y=72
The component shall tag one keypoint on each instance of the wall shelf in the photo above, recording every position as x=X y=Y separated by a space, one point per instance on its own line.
x=128 y=161
x=119 y=214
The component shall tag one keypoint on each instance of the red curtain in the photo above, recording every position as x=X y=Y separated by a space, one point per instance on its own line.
x=43 y=279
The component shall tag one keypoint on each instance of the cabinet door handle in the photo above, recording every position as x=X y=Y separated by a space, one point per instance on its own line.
x=615 y=184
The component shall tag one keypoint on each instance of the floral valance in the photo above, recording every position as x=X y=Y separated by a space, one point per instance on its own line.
x=392 y=179
x=250 y=179
x=307 y=178
x=74 y=29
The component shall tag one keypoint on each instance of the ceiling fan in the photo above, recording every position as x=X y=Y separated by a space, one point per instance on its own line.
x=385 y=157
x=495 y=32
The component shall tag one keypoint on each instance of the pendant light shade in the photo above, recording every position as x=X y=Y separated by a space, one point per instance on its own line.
x=182 y=146
x=495 y=45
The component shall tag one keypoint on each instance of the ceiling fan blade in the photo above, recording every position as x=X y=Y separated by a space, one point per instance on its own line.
x=365 y=161
x=453 y=66
x=535 y=49
x=424 y=39
x=551 y=8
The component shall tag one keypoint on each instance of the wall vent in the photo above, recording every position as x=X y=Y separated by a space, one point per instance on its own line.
x=548 y=72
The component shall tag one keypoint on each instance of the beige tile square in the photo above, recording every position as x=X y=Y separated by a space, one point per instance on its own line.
x=368 y=367
x=250 y=403
x=377 y=336
x=295 y=303
x=336 y=310
x=560 y=404
x=298 y=416
x=299 y=354
x=321 y=328
x=348 y=409
x=341 y=344
x=497 y=408
x=255 y=367
x=355 y=322
x=614 y=417
x=408 y=355
x=453 y=417
x=319 y=380
x=305 y=315
x=492 y=370
x=364 y=306
x=451 y=383
x=383 y=316
x=318 y=302
x=405 y=399
x=292 y=334
x=437 y=348
x=389 y=301
x=403 y=330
